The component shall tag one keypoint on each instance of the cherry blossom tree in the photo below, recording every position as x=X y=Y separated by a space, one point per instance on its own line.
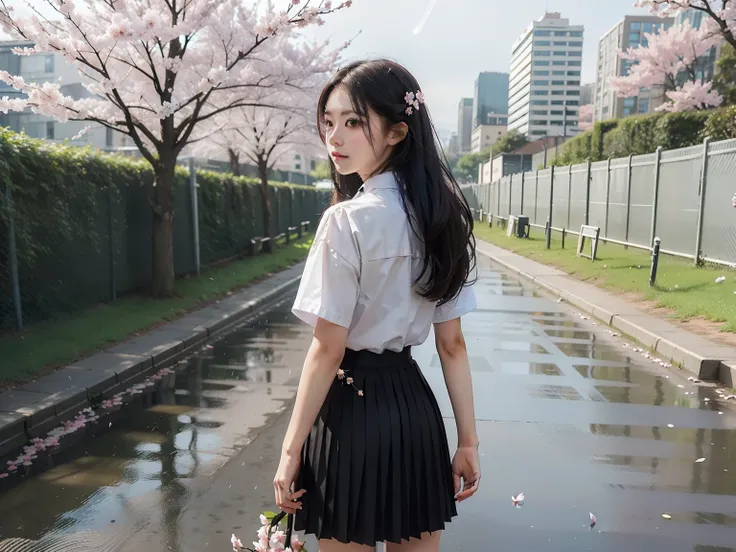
x=669 y=57
x=585 y=117
x=720 y=20
x=156 y=70
x=284 y=121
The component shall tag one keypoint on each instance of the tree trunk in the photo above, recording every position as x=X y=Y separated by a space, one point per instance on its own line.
x=163 y=230
x=265 y=203
x=234 y=161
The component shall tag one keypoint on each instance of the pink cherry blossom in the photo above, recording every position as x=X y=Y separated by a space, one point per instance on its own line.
x=668 y=54
x=155 y=65
x=4 y=475
x=237 y=545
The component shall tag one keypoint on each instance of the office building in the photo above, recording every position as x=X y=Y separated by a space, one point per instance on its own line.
x=706 y=66
x=544 y=86
x=485 y=136
x=46 y=67
x=587 y=94
x=627 y=33
x=491 y=97
x=465 y=124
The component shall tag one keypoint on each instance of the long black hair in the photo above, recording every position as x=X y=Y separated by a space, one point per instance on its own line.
x=440 y=215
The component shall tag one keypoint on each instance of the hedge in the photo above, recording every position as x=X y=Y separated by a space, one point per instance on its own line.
x=641 y=134
x=83 y=223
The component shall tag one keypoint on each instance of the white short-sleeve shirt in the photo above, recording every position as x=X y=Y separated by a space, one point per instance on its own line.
x=360 y=271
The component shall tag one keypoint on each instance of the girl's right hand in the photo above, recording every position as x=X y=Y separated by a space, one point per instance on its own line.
x=466 y=467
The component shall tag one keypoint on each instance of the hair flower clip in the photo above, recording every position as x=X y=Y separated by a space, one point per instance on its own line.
x=413 y=101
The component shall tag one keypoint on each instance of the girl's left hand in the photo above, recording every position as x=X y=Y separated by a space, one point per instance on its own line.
x=285 y=476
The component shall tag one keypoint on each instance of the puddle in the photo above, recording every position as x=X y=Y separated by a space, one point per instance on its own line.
x=198 y=420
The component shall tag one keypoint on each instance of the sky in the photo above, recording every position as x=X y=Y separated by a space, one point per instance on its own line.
x=460 y=38
x=446 y=43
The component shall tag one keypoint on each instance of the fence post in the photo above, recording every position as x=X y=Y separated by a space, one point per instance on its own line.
x=13 y=258
x=511 y=188
x=548 y=237
x=587 y=193
x=655 y=198
x=521 y=199
x=701 y=202
x=498 y=205
x=195 y=213
x=111 y=243
x=628 y=197
x=569 y=194
x=536 y=194
x=608 y=196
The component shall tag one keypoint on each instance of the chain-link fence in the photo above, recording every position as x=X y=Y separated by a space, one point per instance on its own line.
x=686 y=197
x=68 y=247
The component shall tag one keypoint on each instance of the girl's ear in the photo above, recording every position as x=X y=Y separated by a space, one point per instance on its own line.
x=397 y=133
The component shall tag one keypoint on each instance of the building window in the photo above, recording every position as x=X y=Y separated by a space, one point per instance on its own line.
x=542 y=33
x=576 y=44
x=558 y=73
x=49 y=64
x=539 y=102
x=313 y=164
x=558 y=83
x=556 y=112
x=543 y=53
x=541 y=42
x=541 y=63
x=540 y=92
x=558 y=102
x=560 y=33
x=540 y=82
x=556 y=123
x=576 y=33
x=644 y=105
x=539 y=132
x=573 y=73
x=540 y=122
x=558 y=92
x=559 y=53
x=636 y=26
x=648 y=28
x=540 y=73
x=573 y=102
x=576 y=63
x=573 y=83
x=573 y=92
x=563 y=43
x=50 y=130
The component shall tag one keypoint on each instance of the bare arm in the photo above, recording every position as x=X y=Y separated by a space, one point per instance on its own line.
x=320 y=367
x=453 y=355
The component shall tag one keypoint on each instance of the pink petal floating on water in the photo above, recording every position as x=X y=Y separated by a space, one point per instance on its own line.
x=593 y=521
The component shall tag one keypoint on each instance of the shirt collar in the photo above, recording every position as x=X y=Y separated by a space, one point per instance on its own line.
x=382 y=181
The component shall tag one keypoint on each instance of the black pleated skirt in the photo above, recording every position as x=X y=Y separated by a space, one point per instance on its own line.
x=376 y=464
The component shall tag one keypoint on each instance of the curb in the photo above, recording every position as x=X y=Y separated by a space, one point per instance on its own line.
x=31 y=410
x=702 y=364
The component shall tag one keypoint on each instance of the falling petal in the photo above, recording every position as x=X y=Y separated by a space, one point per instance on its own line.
x=593 y=521
x=680 y=386
x=518 y=500
x=670 y=425
x=666 y=516
x=700 y=460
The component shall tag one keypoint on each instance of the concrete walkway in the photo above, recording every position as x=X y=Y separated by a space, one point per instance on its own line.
x=567 y=413
x=701 y=357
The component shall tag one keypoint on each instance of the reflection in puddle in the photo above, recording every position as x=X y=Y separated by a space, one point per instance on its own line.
x=198 y=419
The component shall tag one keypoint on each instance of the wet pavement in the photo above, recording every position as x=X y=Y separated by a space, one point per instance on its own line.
x=566 y=414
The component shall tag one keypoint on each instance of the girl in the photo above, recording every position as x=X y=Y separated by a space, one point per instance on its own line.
x=366 y=449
